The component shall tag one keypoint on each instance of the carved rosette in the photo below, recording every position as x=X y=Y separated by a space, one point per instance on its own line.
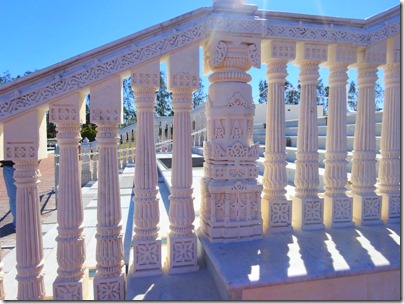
x=231 y=194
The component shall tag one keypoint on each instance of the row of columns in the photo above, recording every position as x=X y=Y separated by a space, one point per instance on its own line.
x=337 y=207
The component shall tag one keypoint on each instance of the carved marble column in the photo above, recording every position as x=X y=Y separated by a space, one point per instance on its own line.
x=72 y=280
x=25 y=144
x=389 y=165
x=106 y=113
x=337 y=205
x=276 y=208
x=231 y=194
x=366 y=203
x=146 y=243
x=308 y=207
x=182 y=243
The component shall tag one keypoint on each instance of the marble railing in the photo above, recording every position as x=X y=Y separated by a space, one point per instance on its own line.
x=235 y=206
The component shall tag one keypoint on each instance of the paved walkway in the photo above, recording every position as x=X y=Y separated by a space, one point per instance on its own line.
x=47 y=202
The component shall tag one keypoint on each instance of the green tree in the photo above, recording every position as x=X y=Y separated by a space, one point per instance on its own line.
x=263 y=89
x=322 y=95
x=5 y=77
x=89 y=131
x=379 y=97
x=292 y=95
x=352 y=96
x=163 y=98
x=199 y=96
x=129 y=112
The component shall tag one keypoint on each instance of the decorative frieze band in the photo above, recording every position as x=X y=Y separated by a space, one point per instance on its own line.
x=21 y=151
x=101 y=70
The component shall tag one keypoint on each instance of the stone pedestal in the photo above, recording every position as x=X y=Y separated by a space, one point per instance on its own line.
x=231 y=194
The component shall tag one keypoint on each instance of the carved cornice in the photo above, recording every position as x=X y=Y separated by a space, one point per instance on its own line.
x=86 y=75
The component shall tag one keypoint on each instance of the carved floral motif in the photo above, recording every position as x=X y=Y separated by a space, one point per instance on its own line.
x=280 y=213
x=184 y=251
x=371 y=208
x=68 y=292
x=147 y=254
x=342 y=210
x=312 y=212
x=109 y=291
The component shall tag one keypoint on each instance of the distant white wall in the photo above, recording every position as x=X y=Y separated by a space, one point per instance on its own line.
x=291 y=112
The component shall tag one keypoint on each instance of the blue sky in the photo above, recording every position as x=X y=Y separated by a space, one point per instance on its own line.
x=37 y=34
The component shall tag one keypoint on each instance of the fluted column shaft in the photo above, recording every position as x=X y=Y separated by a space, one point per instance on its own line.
x=338 y=206
x=308 y=207
x=29 y=243
x=276 y=209
x=147 y=245
x=70 y=240
x=182 y=254
x=367 y=205
x=389 y=165
x=109 y=282
x=307 y=177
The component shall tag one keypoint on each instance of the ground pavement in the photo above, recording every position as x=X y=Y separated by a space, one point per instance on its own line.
x=47 y=202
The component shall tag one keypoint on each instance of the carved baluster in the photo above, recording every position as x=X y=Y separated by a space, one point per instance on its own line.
x=276 y=209
x=183 y=79
x=85 y=149
x=307 y=205
x=337 y=205
x=106 y=109
x=366 y=204
x=389 y=166
x=146 y=243
x=230 y=155
x=25 y=144
x=72 y=280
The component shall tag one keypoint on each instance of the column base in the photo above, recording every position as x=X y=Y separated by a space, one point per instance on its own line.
x=276 y=215
x=146 y=258
x=367 y=209
x=391 y=208
x=338 y=212
x=308 y=213
x=67 y=290
x=182 y=255
x=110 y=288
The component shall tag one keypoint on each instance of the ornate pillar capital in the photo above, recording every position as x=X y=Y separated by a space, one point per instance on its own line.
x=106 y=101
x=25 y=136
